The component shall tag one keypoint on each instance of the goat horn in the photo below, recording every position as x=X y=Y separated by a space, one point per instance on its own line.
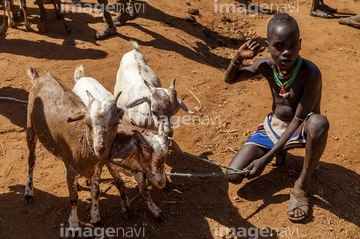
x=161 y=128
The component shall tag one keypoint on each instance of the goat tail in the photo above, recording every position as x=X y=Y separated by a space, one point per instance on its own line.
x=33 y=74
x=79 y=72
x=134 y=44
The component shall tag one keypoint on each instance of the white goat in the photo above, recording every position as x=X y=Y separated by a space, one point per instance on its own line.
x=83 y=84
x=152 y=167
x=79 y=136
x=139 y=84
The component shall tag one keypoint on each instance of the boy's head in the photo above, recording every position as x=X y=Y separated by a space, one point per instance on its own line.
x=283 y=40
x=281 y=19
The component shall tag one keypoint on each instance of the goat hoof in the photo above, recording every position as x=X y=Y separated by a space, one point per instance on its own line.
x=12 y=25
x=161 y=217
x=98 y=224
x=168 y=186
x=74 y=232
x=128 y=214
x=28 y=198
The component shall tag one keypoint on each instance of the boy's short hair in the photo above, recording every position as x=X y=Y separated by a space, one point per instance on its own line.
x=281 y=19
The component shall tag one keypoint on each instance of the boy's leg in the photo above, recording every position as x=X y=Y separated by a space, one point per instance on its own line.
x=109 y=28
x=123 y=14
x=317 y=10
x=316 y=130
x=242 y=159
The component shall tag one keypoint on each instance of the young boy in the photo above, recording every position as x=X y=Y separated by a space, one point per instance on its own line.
x=295 y=121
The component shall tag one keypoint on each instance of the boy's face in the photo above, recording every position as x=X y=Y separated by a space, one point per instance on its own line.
x=284 y=46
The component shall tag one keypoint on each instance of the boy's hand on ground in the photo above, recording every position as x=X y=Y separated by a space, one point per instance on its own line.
x=250 y=49
x=256 y=167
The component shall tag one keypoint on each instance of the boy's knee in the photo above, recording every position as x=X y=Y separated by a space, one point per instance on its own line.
x=318 y=126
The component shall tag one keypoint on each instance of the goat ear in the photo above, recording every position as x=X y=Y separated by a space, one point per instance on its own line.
x=172 y=84
x=172 y=91
x=90 y=96
x=137 y=102
x=150 y=86
x=184 y=107
x=77 y=116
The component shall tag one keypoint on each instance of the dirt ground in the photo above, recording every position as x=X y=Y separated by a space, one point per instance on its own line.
x=197 y=54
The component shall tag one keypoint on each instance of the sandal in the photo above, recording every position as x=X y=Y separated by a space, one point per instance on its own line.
x=353 y=21
x=105 y=32
x=322 y=14
x=298 y=203
x=121 y=19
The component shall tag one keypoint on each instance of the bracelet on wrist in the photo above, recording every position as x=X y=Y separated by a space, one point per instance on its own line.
x=235 y=61
x=232 y=63
x=273 y=153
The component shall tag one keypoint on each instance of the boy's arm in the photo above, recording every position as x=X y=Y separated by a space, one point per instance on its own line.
x=246 y=51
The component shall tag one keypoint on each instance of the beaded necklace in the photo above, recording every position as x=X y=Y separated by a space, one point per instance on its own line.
x=283 y=86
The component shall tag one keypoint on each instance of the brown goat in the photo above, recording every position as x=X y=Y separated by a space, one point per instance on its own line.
x=79 y=136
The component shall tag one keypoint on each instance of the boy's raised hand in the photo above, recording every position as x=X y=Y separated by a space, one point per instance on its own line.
x=250 y=49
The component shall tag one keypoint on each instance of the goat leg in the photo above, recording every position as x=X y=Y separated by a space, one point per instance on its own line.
x=31 y=143
x=7 y=6
x=72 y=181
x=60 y=15
x=95 y=194
x=43 y=16
x=24 y=11
x=143 y=188
x=126 y=208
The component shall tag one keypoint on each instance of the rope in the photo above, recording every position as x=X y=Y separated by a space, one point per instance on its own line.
x=199 y=175
x=235 y=171
x=205 y=175
x=13 y=99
